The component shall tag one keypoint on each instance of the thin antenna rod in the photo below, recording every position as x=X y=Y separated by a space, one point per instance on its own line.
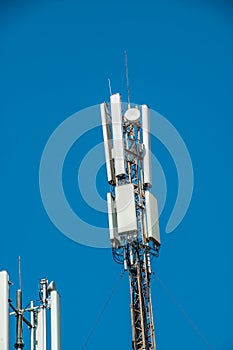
x=127 y=77
x=19 y=271
x=110 y=87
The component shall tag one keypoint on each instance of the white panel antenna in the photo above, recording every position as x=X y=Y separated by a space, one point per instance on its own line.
x=112 y=220
x=126 y=210
x=4 y=310
x=118 y=142
x=146 y=142
x=108 y=145
x=152 y=218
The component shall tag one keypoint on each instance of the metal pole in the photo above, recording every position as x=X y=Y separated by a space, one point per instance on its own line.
x=19 y=327
x=33 y=326
x=44 y=284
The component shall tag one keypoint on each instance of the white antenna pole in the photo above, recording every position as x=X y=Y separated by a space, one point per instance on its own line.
x=4 y=310
x=55 y=321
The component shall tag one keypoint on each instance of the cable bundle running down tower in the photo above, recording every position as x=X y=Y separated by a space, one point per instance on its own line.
x=132 y=208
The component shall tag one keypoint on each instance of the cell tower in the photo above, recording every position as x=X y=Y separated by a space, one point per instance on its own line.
x=132 y=208
x=48 y=299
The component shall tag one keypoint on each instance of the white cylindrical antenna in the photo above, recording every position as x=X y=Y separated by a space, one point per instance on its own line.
x=146 y=142
x=108 y=145
x=118 y=142
x=4 y=310
x=55 y=321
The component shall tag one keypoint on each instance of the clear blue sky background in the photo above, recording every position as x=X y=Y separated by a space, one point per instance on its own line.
x=55 y=59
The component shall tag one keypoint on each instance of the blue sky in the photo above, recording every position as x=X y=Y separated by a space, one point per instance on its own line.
x=55 y=59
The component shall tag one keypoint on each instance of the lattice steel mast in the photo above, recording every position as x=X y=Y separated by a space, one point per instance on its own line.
x=132 y=209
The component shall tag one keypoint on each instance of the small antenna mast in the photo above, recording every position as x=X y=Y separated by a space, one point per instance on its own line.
x=127 y=77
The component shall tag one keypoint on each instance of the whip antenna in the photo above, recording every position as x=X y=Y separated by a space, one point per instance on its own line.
x=127 y=77
x=110 y=87
x=19 y=273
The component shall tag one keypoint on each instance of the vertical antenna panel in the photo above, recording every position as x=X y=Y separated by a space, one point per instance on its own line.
x=108 y=146
x=40 y=331
x=118 y=143
x=152 y=218
x=55 y=321
x=146 y=142
x=4 y=310
x=126 y=210
x=112 y=219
